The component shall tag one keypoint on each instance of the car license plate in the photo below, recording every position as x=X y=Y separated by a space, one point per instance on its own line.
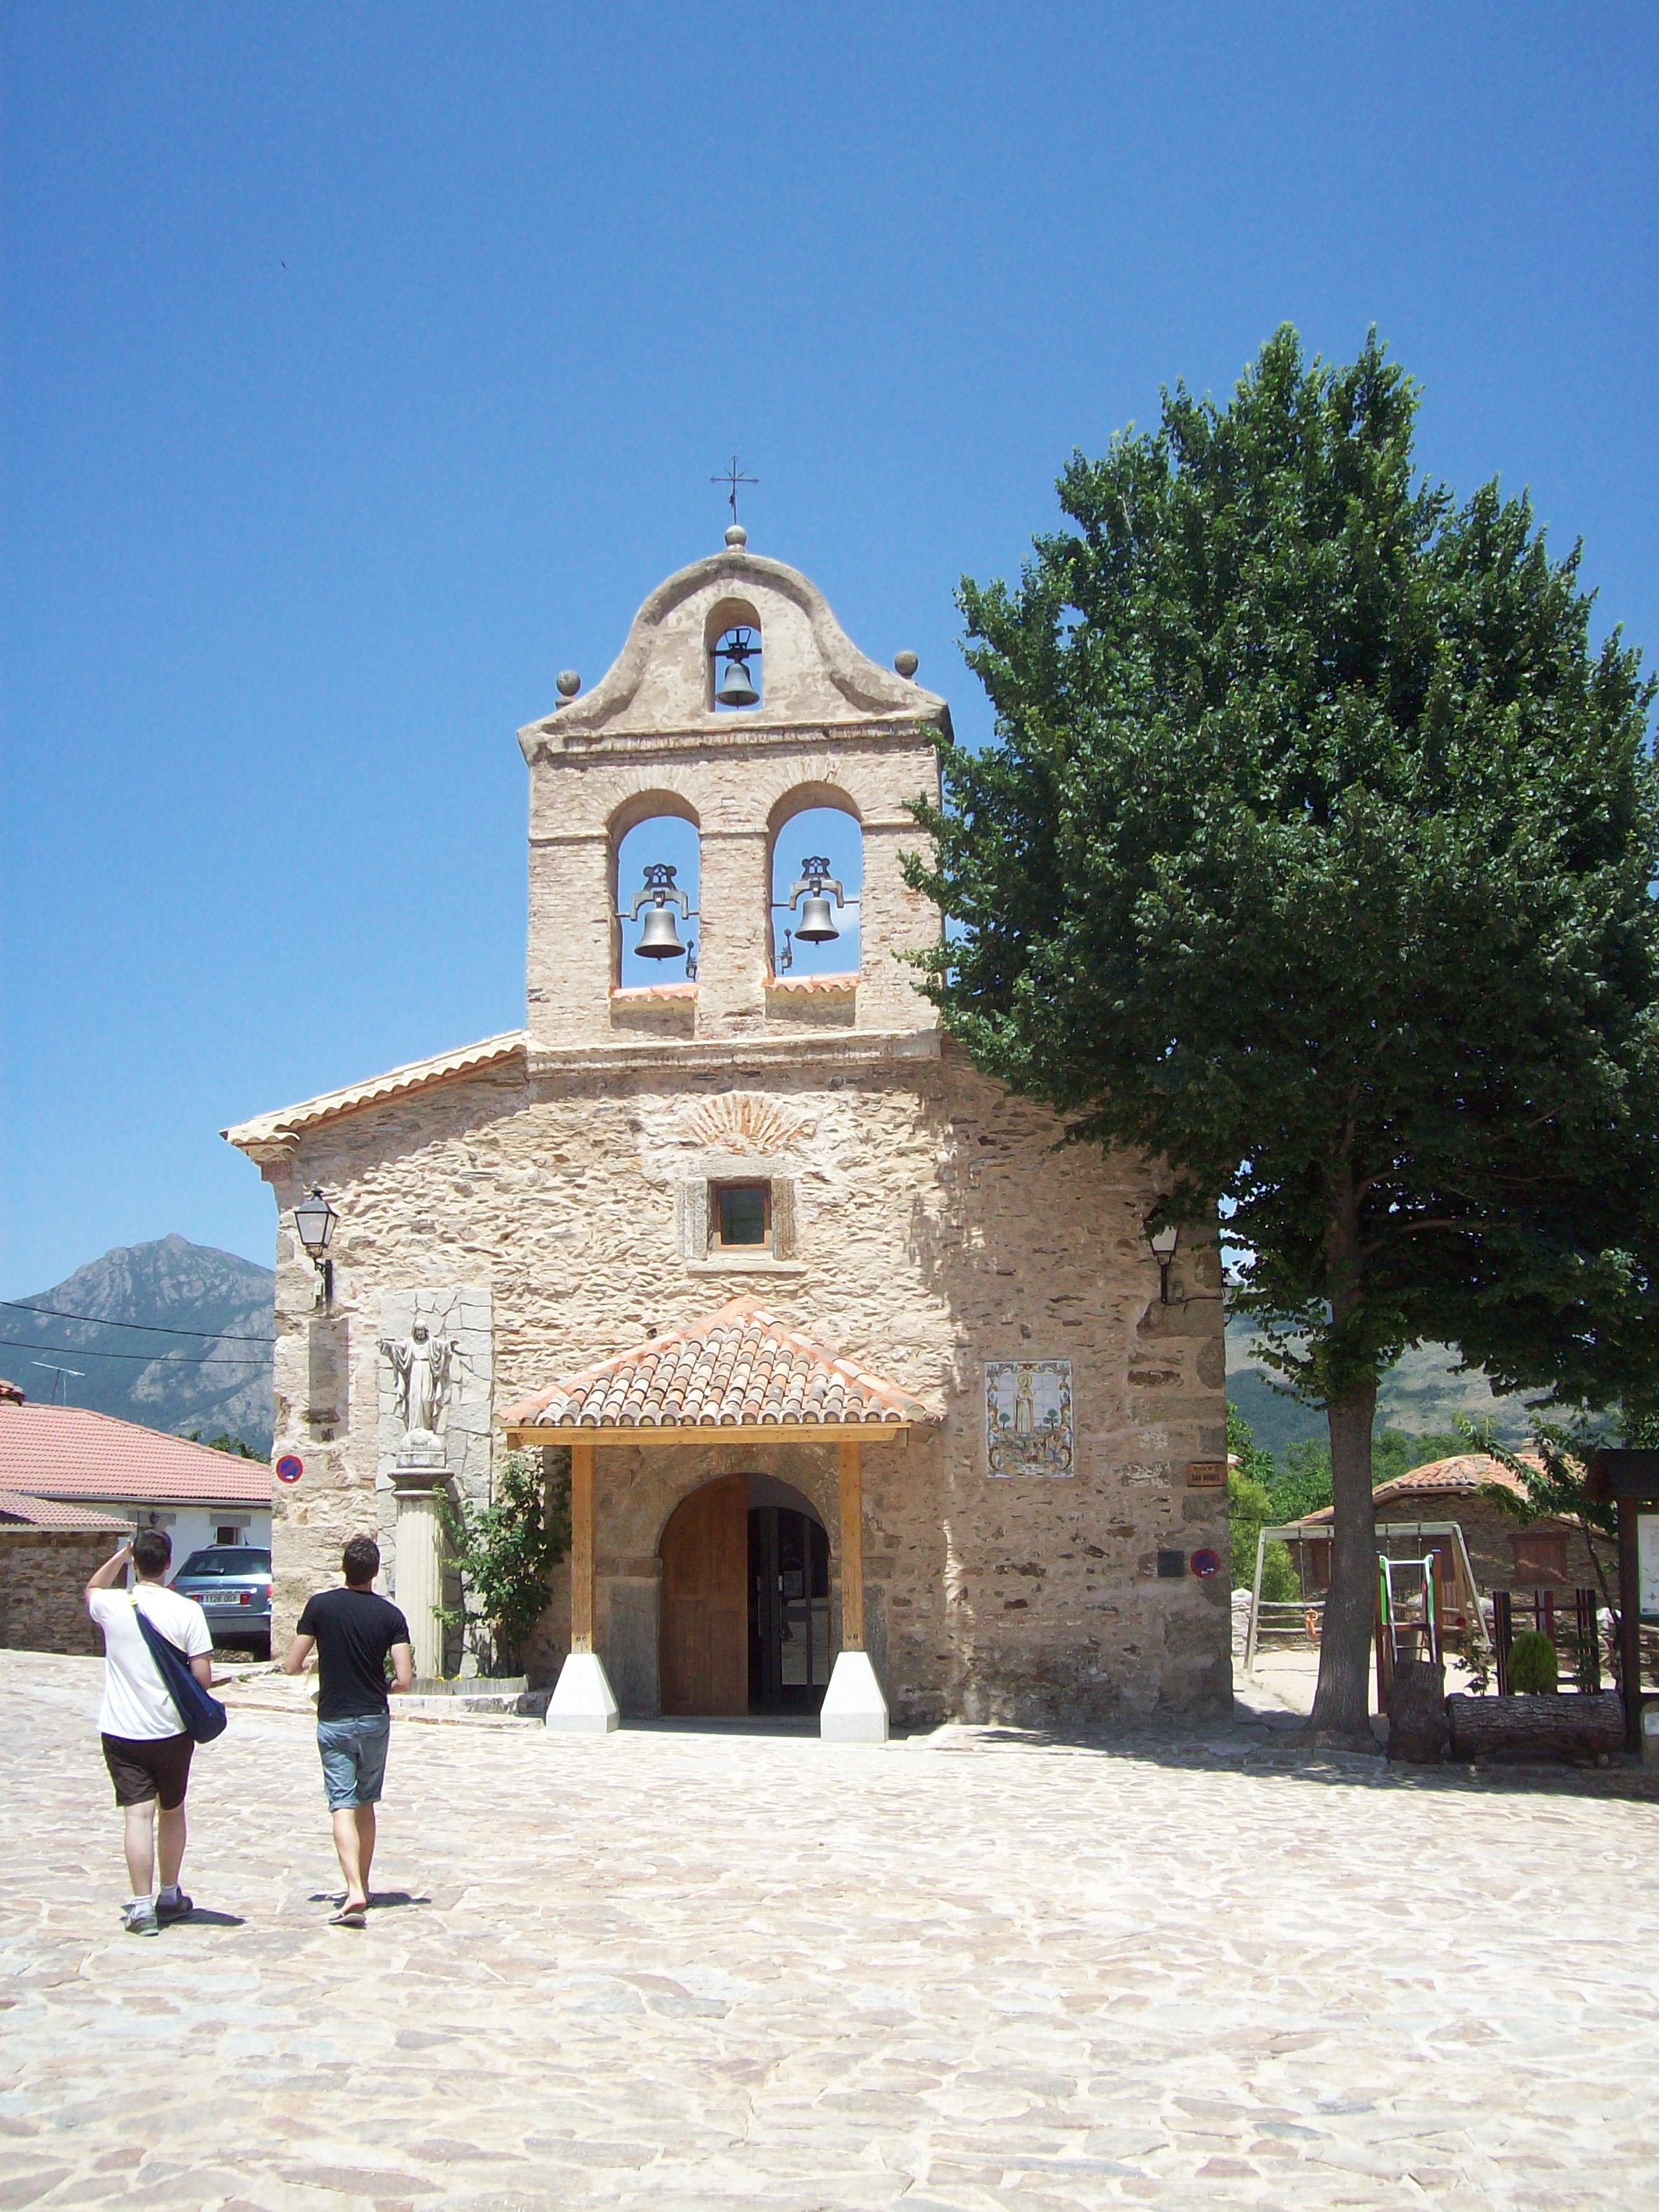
x=226 y=1597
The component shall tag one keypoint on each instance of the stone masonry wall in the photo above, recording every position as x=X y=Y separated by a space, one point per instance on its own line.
x=43 y=1572
x=936 y=1227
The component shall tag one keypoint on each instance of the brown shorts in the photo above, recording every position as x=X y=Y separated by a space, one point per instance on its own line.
x=156 y=1767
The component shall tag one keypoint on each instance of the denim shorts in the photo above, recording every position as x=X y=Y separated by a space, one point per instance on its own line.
x=353 y=1758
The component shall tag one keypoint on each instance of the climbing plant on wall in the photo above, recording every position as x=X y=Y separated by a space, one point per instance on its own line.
x=504 y=1553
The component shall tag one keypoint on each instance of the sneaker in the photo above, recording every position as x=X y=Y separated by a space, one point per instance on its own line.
x=139 y=1918
x=179 y=1907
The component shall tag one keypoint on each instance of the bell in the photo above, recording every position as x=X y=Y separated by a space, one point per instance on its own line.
x=736 y=690
x=816 y=927
x=659 y=940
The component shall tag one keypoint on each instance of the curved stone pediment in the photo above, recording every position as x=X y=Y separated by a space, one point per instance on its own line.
x=813 y=675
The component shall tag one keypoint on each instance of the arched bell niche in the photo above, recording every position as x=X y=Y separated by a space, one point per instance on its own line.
x=656 y=876
x=733 y=648
x=816 y=875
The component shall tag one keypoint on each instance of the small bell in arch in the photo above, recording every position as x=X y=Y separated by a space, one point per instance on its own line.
x=816 y=924
x=659 y=940
x=736 y=687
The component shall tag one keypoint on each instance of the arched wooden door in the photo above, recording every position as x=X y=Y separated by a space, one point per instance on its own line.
x=704 y=1642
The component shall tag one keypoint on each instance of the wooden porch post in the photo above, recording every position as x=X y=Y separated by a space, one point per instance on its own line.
x=581 y=1547
x=851 y=1545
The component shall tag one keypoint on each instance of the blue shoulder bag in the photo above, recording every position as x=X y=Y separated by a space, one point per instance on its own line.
x=204 y=1716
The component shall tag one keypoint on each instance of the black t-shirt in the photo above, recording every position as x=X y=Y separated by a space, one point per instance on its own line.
x=354 y=1628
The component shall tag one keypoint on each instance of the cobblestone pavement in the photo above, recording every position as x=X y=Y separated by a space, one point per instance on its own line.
x=697 y=1970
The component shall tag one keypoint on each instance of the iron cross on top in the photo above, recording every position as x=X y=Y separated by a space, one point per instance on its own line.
x=732 y=478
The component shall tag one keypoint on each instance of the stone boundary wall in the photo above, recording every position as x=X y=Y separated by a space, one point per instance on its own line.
x=43 y=1572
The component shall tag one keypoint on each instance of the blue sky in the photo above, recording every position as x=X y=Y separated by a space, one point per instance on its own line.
x=365 y=365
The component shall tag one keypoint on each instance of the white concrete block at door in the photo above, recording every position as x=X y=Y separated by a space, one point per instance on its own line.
x=583 y=1703
x=853 y=1708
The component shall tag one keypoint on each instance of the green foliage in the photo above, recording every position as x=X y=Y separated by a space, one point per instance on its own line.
x=224 y=1442
x=505 y=1552
x=1302 y=1483
x=1313 y=858
x=1532 y=1665
x=1251 y=1509
x=1551 y=1478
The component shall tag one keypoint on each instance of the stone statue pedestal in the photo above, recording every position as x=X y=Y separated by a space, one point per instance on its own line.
x=421 y=1472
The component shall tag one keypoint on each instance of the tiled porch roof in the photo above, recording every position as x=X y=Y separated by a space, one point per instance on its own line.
x=738 y=1368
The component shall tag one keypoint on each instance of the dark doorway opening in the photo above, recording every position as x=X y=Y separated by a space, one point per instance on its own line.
x=789 y=1655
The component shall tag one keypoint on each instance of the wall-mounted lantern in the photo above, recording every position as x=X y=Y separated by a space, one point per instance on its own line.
x=1164 y=1242
x=315 y=1224
x=659 y=940
x=816 y=924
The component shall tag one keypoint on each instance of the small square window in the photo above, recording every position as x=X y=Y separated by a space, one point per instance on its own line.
x=1540 y=1557
x=231 y=1534
x=742 y=1216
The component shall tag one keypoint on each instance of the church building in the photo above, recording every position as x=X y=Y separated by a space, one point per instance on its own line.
x=875 y=1401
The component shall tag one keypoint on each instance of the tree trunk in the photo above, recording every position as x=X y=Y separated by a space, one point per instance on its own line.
x=1417 y=1712
x=1342 y=1703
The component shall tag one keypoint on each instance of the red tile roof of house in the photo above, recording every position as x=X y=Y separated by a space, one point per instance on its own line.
x=19 y=1511
x=1465 y=1474
x=739 y=1367
x=65 y=1451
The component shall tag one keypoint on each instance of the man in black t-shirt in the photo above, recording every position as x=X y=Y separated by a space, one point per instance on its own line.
x=354 y=1632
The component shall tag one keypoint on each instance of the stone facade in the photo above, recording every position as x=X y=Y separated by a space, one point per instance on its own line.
x=924 y=1220
x=43 y=1572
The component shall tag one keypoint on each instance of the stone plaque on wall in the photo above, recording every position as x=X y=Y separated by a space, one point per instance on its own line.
x=459 y=1318
x=1028 y=1417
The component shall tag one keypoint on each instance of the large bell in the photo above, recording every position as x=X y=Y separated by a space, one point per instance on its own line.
x=816 y=927
x=659 y=940
x=736 y=690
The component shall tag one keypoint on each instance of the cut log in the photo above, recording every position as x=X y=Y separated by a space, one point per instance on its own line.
x=1417 y=1712
x=1543 y=1726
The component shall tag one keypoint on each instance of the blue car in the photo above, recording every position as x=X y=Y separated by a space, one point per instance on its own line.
x=231 y=1582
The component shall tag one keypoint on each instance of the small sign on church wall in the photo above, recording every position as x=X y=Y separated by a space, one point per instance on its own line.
x=1028 y=1417
x=1206 y=1475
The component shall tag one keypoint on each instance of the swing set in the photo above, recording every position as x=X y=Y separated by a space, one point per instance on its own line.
x=1425 y=1591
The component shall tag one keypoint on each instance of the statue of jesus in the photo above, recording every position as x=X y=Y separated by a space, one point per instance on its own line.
x=421 y=1362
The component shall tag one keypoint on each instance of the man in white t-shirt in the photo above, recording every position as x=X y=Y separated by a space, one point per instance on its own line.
x=146 y=1747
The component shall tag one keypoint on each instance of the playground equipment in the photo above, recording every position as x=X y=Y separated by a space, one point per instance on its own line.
x=1434 y=1548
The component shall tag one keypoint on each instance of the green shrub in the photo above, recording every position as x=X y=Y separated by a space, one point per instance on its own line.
x=1532 y=1663
x=505 y=1552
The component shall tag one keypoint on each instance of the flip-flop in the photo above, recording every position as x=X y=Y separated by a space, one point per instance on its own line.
x=349 y=1916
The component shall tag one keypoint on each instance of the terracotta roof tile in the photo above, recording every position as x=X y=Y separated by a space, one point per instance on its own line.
x=65 y=1451
x=738 y=1367
x=19 y=1510
x=1465 y=1474
x=288 y=1121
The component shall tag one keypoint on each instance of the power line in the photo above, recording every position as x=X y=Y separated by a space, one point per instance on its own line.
x=150 y=1327
x=144 y=1358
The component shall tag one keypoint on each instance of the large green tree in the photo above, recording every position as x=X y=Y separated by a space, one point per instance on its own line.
x=1314 y=857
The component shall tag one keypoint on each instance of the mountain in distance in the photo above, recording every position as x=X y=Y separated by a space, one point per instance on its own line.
x=211 y=1383
x=1422 y=1394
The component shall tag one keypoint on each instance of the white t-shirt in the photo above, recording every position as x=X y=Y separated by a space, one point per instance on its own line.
x=136 y=1701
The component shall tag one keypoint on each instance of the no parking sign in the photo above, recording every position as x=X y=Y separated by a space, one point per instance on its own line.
x=290 y=1467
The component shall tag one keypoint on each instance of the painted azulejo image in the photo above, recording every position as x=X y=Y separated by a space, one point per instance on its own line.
x=1028 y=1417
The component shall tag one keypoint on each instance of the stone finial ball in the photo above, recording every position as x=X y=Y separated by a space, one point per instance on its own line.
x=906 y=663
x=569 y=683
x=736 y=536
